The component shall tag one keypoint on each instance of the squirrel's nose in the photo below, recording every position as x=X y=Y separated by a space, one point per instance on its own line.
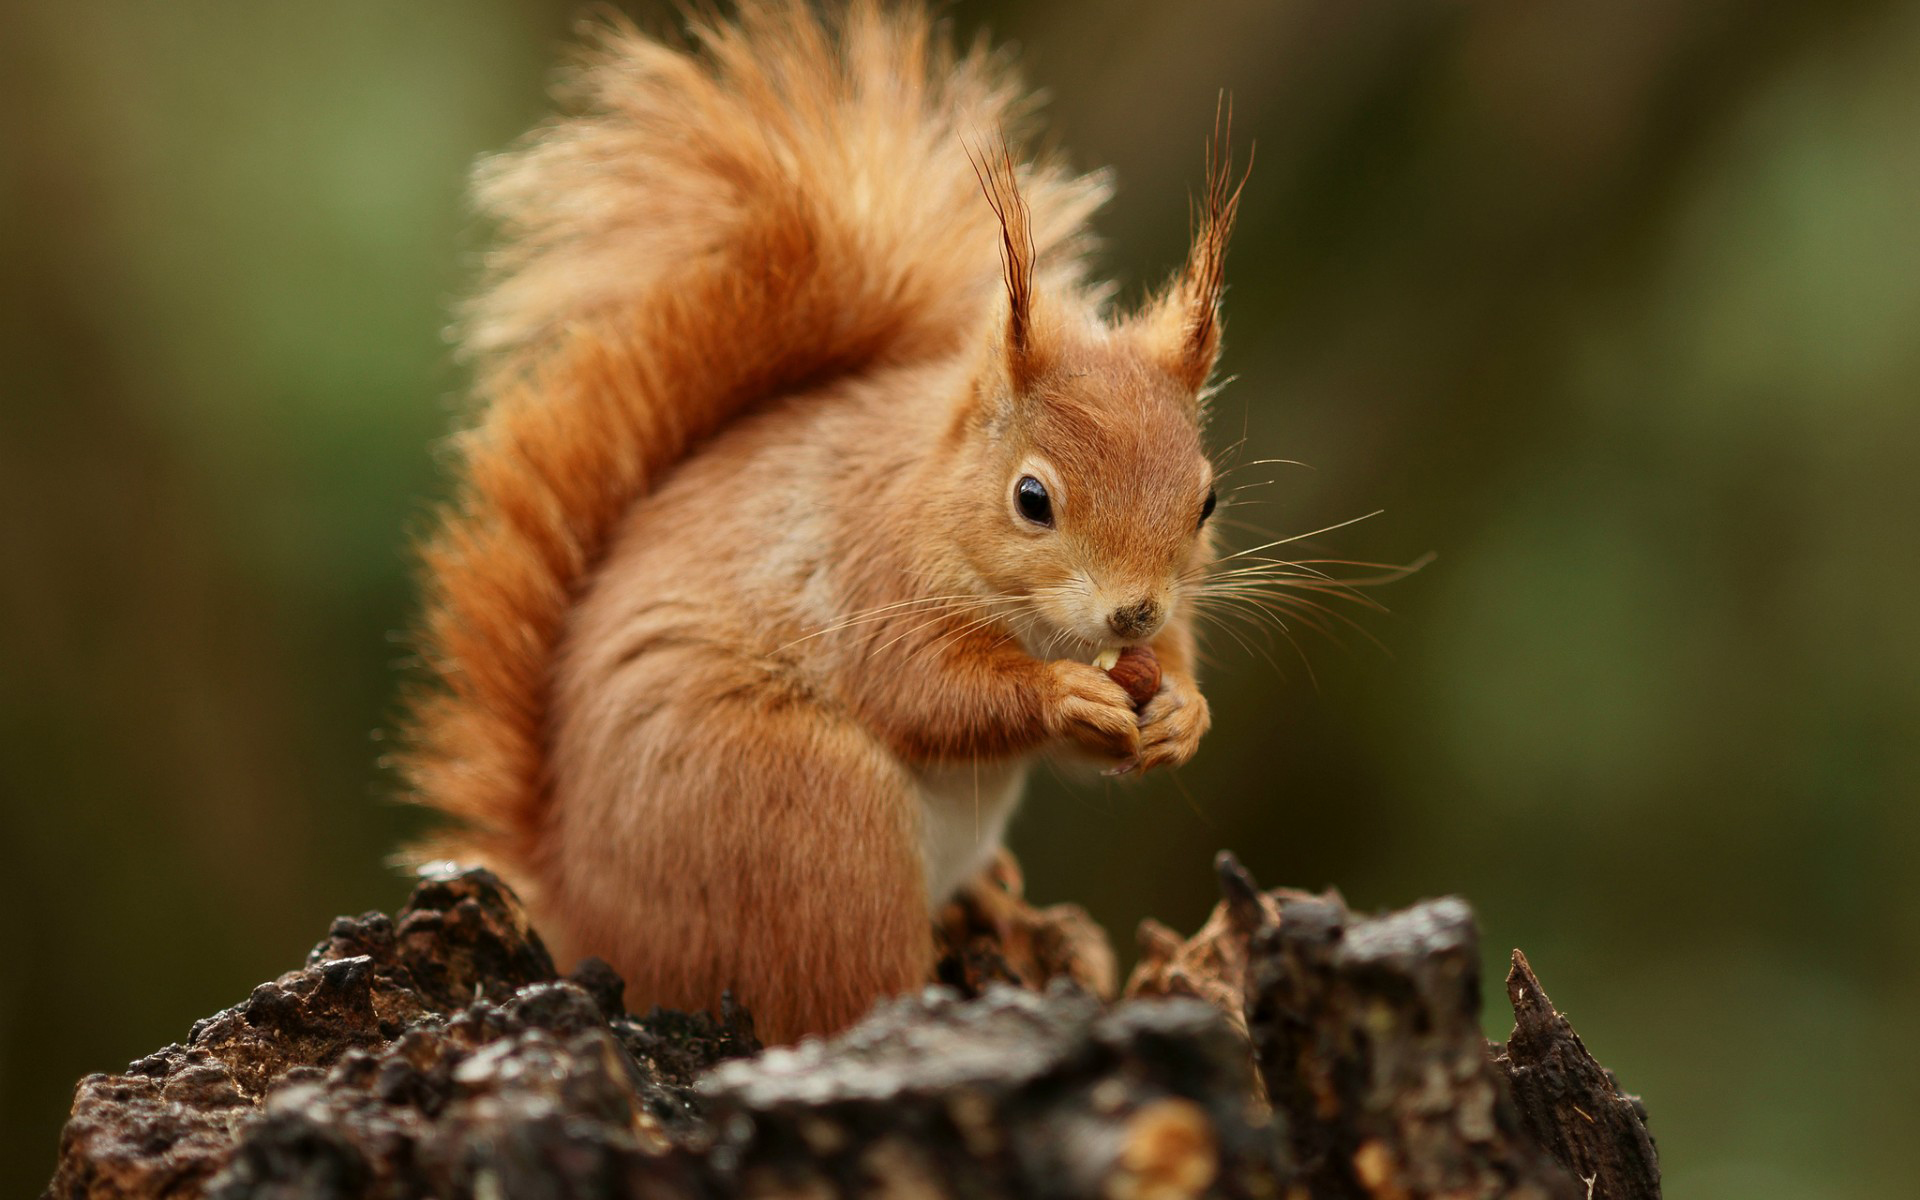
x=1135 y=620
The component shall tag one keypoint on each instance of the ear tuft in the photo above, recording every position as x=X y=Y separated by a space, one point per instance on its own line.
x=1186 y=319
x=1000 y=181
x=1206 y=274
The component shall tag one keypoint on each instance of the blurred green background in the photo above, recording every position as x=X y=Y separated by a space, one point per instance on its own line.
x=1616 y=307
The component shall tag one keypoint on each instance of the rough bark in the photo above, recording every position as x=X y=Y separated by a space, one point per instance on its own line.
x=1368 y=1036
x=989 y=934
x=1571 y=1104
x=438 y=1054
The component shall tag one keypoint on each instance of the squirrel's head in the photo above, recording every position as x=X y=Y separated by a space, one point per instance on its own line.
x=1087 y=491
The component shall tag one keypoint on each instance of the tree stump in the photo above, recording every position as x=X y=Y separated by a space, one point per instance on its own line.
x=1291 y=1049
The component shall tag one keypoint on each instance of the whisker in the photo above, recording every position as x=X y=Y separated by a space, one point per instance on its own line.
x=1303 y=536
x=1300 y=608
x=934 y=620
x=1262 y=619
x=954 y=636
x=1270 y=585
x=1275 y=588
x=1307 y=614
x=1221 y=624
x=1307 y=581
x=1219 y=618
x=1271 y=462
x=876 y=613
x=1392 y=572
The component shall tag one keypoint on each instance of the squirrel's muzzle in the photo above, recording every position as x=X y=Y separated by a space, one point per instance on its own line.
x=1136 y=620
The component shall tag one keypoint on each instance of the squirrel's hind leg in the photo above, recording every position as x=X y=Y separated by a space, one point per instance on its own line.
x=756 y=843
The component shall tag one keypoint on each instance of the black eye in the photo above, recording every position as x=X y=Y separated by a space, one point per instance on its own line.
x=1030 y=497
x=1206 y=510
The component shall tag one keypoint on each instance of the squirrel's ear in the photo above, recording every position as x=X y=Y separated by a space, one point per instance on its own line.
x=999 y=179
x=1183 y=322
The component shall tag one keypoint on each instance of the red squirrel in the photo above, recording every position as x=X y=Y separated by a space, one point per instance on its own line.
x=810 y=477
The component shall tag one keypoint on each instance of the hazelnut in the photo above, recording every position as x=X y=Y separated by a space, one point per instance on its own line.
x=1138 y=672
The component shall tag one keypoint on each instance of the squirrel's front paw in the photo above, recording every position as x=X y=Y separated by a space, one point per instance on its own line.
x=1173 y=723
x=1090 y=710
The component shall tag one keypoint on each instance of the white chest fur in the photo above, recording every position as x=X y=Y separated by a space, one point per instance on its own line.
x=963 y=813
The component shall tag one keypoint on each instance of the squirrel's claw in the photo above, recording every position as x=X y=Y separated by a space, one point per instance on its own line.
x=1172 y=725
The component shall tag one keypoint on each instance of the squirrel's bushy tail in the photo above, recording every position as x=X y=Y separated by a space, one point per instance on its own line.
x=784 y=200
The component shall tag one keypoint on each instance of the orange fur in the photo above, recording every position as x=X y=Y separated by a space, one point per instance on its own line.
x=734 y=623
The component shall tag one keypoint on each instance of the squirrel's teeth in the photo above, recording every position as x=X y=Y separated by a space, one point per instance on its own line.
x=1106 y=658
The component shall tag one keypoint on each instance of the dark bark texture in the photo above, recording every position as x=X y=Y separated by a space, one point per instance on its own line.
x=1290 y=1049
x=1571 y=1104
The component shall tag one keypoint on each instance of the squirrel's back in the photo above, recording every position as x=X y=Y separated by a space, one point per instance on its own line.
x=785 y=200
